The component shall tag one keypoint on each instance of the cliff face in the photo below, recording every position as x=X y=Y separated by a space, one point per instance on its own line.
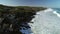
x=13 y=18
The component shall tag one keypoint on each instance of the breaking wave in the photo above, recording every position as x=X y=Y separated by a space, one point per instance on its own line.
x=55 y=12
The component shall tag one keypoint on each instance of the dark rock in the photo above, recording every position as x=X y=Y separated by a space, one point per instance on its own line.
x=13 y=18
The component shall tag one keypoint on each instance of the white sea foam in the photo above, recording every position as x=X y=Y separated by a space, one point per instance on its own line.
x=46 y=22
x=47 y=10
x=56 y=13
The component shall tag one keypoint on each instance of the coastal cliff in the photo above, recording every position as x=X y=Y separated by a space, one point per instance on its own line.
x=13 y=18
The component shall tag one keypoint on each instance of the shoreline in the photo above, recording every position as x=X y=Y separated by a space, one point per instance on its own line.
x=13 y=18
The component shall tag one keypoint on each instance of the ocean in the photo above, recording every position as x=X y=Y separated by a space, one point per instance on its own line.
x=46 y=22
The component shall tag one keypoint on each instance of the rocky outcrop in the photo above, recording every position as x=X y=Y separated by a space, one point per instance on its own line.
x=13 y=19
x=14 y=22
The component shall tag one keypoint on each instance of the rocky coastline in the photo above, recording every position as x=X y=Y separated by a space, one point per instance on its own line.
x=13 y=18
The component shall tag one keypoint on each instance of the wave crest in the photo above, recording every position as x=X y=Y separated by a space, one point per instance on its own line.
x=55 y=12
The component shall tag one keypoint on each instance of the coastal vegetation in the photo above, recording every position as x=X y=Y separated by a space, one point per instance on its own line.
x=13 y=18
